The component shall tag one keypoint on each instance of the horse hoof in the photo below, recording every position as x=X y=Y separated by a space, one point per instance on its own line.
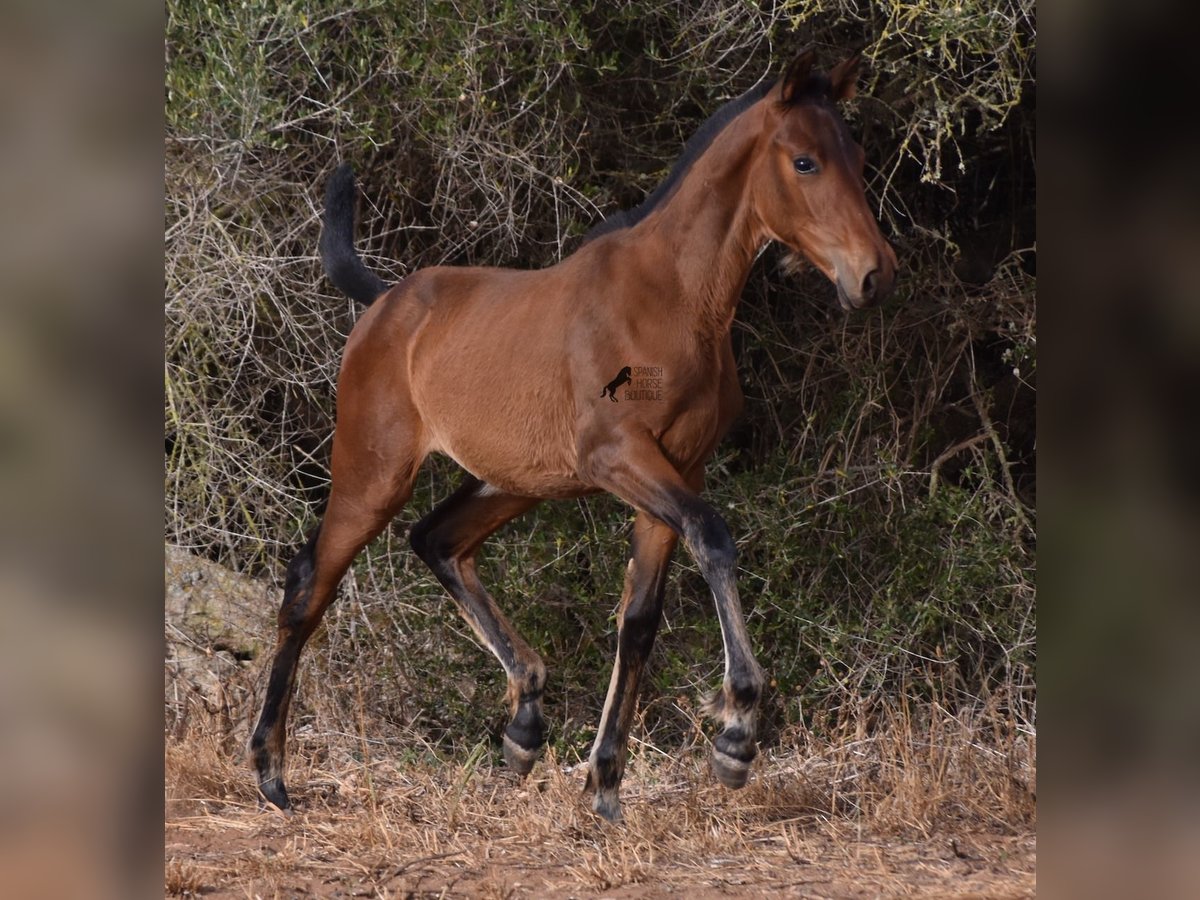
x=730 y=771
x=607 y=805
x=518 y=758
x=276 y=794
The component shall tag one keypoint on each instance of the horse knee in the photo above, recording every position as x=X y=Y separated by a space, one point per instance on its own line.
x=639 y=626
x=711 y=541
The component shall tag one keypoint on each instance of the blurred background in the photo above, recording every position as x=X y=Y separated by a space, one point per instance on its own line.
x=1119 y=609
x=80 y=554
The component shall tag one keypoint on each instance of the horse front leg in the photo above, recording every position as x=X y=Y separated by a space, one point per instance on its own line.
x=640 y=614
x=634 y=469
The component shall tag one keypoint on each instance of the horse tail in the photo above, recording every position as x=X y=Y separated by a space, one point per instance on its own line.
x=343 y=265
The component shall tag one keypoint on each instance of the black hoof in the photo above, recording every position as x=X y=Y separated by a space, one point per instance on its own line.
x=275 y=793
x=524 y=738
x=607 y=805
x=606 y=801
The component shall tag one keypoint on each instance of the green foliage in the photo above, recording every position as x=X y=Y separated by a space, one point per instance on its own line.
x=881 y=480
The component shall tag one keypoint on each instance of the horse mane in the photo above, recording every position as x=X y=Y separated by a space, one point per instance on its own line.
x=692 y=150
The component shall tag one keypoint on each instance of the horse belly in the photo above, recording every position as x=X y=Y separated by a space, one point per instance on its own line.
x=517 y=455
x=511 y=427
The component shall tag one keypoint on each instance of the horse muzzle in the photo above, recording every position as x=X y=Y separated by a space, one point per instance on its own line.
x=870 y=289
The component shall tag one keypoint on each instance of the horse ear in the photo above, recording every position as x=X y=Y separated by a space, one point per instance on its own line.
x=795 y=77
x=844 y=77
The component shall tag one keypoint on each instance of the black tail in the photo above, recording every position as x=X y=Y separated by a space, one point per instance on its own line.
x=343 y=265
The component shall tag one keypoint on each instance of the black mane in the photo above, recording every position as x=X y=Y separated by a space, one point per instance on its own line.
x=695 y=146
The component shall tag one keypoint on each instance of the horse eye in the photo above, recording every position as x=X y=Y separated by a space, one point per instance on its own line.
x=805 y=165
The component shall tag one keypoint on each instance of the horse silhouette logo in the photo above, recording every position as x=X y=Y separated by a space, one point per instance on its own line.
x=625 y=376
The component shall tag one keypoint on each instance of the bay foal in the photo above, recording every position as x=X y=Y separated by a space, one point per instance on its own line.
x=652 y=291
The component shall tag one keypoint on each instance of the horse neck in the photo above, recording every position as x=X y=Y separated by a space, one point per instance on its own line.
x=707 y=230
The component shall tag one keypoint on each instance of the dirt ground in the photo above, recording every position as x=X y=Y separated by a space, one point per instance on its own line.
x=480 y=832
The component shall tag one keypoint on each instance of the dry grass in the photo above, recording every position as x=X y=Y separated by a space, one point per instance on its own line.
x=905 y=800
x=918 y=791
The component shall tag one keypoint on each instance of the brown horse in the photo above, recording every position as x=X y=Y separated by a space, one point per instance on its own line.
x=653 y=289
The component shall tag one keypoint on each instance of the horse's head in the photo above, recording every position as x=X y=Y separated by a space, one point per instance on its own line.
x=808 y=188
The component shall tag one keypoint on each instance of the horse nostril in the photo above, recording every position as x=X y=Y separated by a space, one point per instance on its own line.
x=870 y=282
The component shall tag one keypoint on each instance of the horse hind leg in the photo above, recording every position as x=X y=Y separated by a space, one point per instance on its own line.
x=447 y=540
x=359 y=508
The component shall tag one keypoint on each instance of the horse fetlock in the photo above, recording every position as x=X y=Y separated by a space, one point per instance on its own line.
x=526 y=681
x=605 y=767
x=535 y=678
x=735 y=747
x=604 y=781
x=746 y=690
x=735 y=702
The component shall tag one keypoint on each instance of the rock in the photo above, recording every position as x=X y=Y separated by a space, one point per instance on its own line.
x=217 y=622
x=214 y=609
